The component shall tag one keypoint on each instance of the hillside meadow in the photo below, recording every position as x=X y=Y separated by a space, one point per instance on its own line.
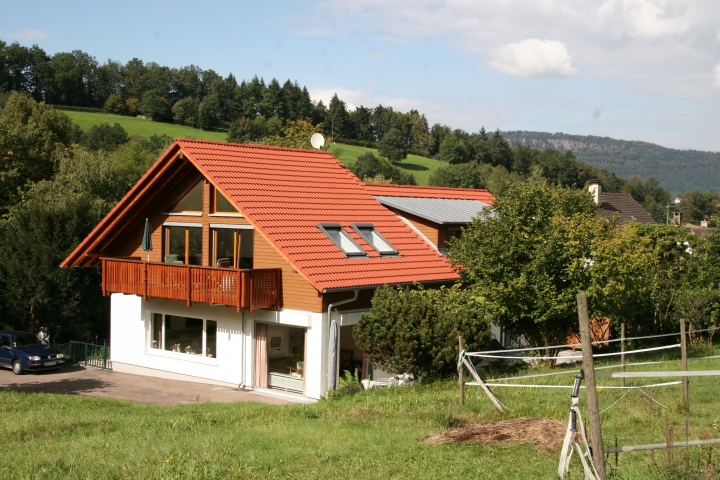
x=420 y=167
x=374 y=434
x=134 y=125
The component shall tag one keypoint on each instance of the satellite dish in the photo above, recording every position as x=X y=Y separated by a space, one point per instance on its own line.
x=317 y=141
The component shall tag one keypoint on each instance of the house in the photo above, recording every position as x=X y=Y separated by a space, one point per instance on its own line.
x=701 y=229
x=262 y=261
x=621 y=204
x=436 y=213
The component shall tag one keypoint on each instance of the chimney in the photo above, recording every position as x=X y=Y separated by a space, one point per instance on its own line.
x=703 y=224
x=677 y=218
x=595 y=190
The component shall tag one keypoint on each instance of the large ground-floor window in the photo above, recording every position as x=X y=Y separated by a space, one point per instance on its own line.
x=280 y=357
x=193 y=336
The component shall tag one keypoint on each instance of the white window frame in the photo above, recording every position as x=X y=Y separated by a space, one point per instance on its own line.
x=391 y=250
x=327 y=227
x=161 y=345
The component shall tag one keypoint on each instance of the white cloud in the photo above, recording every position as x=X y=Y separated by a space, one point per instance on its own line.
x=648 y=20
x=28 y=34
x=356 y=98
x=533 y=58
x=716 y=75
x=663 y=47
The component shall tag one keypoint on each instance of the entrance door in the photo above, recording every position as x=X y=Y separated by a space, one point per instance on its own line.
x=280 y=357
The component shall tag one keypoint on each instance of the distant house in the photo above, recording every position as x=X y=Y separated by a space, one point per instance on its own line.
x=622 y=204
x=701 y=229
x=436 y=213
x=259 y=255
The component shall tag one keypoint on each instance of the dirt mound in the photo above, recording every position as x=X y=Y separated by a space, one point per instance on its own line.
x=543 y=433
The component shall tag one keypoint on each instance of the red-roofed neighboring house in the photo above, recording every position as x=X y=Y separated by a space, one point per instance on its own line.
x=256 y=250
x=436 y=213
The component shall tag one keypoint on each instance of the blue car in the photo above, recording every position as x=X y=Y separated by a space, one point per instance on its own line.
x=25 y=351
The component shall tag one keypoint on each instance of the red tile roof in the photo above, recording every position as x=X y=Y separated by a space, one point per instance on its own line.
x=286 y=192
x=430 y=192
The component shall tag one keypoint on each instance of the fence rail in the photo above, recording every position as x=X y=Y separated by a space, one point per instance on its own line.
x=254 y=288
x=88 y=354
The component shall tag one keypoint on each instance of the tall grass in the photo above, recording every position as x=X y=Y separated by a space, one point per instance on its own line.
x=373 y=434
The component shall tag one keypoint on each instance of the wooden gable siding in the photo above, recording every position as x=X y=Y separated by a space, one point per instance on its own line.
x=430 y=229
x=298 y=293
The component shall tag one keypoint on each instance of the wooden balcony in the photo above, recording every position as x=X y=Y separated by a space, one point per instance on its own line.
x=255 y=288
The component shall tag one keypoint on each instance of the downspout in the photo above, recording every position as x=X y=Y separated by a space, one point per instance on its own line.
x=356 y=292
x=243 y=353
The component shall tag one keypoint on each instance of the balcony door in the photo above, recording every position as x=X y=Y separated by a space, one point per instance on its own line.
x=183 y=243
x=232 y=246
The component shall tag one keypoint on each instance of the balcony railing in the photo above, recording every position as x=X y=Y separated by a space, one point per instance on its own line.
x=255 y=288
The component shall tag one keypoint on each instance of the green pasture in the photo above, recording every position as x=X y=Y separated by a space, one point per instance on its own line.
x=373 y=434
x=148 y=128
x=420 y=167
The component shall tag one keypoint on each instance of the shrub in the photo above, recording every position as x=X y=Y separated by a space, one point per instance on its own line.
x=464 y=175
x=368 y=165
x=416 y=330
x=105 y=137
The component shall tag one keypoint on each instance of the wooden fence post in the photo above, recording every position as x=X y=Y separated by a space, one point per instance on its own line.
x=589 y=368
x=461 y=375
x=683 y=354
x=622 y=352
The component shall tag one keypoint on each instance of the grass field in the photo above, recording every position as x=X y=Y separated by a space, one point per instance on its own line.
x=420 y=167
x=148 y=128
x=373 y=434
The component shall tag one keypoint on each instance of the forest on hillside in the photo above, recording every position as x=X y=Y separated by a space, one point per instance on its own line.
x=677 y=170
x=256 y=111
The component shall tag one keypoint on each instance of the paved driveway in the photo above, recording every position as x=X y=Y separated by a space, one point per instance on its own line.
x=95 y=382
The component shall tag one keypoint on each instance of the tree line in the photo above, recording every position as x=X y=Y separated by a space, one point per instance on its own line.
x=256 y=111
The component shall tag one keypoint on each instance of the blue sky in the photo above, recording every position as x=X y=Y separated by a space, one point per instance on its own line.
x=630 y=69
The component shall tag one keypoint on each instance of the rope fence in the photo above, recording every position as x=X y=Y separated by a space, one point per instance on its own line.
x=576 y=439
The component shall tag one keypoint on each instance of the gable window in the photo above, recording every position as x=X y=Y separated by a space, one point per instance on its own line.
x=183 y=243
x=192 y=202
x=193 y=336
x=232 y=246
x=222 y=205
x=374 y=238
x=341 y=239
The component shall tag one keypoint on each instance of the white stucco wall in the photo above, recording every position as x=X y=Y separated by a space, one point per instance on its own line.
x=131 y=320
x=130 y=339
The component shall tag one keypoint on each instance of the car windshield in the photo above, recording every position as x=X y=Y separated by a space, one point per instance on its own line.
x=27 y=341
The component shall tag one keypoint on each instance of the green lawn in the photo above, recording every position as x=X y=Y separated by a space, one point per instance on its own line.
x=374 y=434
x=420 y=167
x=148 y=128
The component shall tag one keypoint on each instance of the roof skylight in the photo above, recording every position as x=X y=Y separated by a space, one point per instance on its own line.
x=374 y=238
x=341 y=239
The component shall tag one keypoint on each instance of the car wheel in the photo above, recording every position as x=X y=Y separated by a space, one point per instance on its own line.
x=17 y=367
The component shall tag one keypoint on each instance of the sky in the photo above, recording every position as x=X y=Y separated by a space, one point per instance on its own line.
x=628 y=69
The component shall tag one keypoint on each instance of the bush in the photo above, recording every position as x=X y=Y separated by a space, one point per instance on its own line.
x=105 y=137
x=368 y=165
x=464 y=175
x=416 y=330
